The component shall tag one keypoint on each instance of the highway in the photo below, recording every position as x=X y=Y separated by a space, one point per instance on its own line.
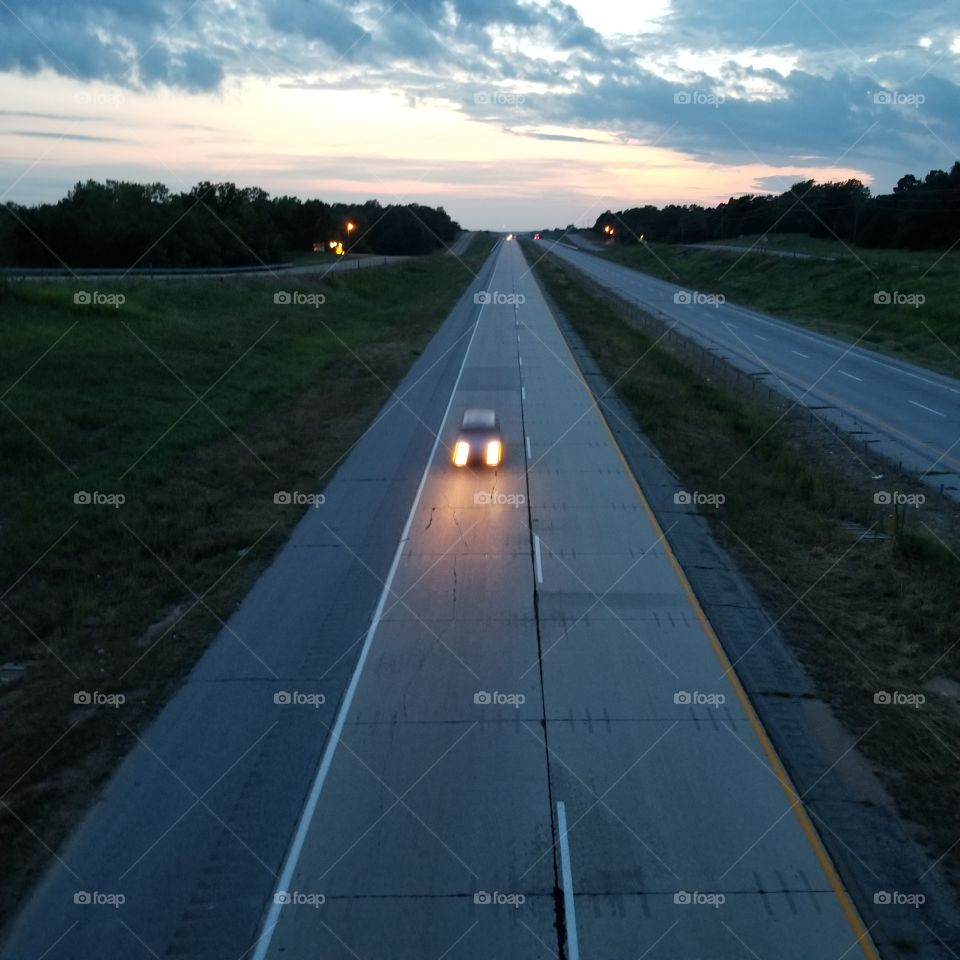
x=524 y=739
x=536 y=657
x=907 y=413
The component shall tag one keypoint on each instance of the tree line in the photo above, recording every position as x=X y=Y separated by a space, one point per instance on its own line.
x=917 y=215
x=121 y=224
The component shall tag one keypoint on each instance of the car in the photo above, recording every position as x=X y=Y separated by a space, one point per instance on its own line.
x=479 y=439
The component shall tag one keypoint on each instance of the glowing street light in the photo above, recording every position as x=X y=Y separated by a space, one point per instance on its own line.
x=351 y=226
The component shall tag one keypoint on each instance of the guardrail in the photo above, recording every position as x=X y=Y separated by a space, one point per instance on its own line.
x=135 y=272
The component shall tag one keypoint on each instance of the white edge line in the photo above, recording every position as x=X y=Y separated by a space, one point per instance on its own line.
x=538 y=565
x=928 y=409
x=570 y=915
x=306 y=817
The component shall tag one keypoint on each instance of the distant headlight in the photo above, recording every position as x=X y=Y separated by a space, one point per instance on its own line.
x=493 y=453
x=461 y=453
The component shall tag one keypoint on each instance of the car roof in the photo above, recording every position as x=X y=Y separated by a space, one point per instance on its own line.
x=479 y=419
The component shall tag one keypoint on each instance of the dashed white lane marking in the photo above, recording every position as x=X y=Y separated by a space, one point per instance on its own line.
x=928 y=409
x=537 y=562
x=523 y=393
x=850 y=375
x=799 y=354
x=521 y=361
x=529 y=455
x=566 y=870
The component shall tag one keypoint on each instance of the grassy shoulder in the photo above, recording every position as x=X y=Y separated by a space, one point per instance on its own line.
x=864 y=615
x=833 y=297
x=195 y=401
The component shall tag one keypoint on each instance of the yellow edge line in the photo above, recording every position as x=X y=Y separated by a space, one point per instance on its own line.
x=796 y=804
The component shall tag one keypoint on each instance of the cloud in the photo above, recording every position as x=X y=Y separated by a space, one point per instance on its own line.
x=535 y=64
x=52 y=135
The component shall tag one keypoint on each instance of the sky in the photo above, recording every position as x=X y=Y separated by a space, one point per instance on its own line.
x=511 y=114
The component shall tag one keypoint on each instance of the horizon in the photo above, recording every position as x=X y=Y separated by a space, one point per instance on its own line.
x=518 y=116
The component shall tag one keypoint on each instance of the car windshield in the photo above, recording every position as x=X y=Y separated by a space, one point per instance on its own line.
x=479 y=420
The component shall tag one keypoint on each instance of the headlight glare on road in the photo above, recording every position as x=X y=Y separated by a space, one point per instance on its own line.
x=461 y=453
x=493 y=453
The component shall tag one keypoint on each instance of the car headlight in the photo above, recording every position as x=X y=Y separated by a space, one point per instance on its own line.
x=461 y=453
x=493 y=453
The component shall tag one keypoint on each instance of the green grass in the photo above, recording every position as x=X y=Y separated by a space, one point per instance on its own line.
x=863 y=617
x=835 y=298
x=105 y=399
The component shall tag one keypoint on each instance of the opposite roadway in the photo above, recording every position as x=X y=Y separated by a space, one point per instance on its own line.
x=908 y=413
x=536 y=656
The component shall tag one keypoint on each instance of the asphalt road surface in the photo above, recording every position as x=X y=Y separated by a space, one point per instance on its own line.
x=905 y=412
x=529 y=743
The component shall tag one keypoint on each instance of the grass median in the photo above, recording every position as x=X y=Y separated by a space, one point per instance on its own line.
x=143 y=440
x=865 y=615
x=835 y=297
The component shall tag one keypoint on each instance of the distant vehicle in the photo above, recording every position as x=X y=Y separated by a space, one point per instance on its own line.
x=536 y=236
x=509 y=236
x=479 y=439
